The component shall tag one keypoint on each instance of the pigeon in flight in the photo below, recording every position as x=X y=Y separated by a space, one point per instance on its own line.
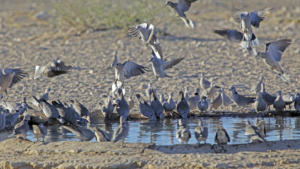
x=146 y=32
x=127 y=69
x=273 y=54
x=9 y=77
x=159 y=66
x=179 y=8
x=52 y=69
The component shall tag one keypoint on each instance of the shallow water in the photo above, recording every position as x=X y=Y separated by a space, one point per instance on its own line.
x=164 y=132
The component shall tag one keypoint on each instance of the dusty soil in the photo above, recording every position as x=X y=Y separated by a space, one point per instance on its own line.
x=17 y=153
x=26 y=41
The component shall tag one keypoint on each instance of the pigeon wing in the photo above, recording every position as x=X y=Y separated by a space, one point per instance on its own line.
x=132 y=69
x=275 y=49
x=19 y=75
x=169 y=64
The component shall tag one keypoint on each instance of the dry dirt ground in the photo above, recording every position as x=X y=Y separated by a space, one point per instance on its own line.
x=26 y=41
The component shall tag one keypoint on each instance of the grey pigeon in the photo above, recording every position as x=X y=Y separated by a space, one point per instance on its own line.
x=116 y=85
x=193 y=101
x=9 y=77
x=68 y=113
x=121 y=131
x=221 y=99
x=52 y=69
x=222 y=136
x=80 y=108
x=204 y=83
x=269 y=99
x=21 y=128
x=203 y=104
x=212 y=90
x=159 y=65
x=122 y=106
x=257 y=88
x=273 y=54
x=183 y=134
x=180 y=7
x=201 y=132
x=297 y=102
x=260 y=104
x=127 y=69
x=248 y=19
x=157 y=107
x=2 y=120
x=241 y=100
x=279 y=103
x=170 y=104
x=145 y=109
x=183 y=108
x=48 y=109
x=40 y=131
x=149 y=91
x=288 y=99
x=107 y=107
x=147 y=33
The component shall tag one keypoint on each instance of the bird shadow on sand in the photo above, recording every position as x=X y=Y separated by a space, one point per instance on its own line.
x=234 y=148
x=170 y=37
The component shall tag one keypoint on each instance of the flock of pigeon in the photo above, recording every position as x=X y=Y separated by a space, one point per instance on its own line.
x=75 y=117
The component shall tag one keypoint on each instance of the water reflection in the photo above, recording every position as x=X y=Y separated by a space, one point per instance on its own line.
x=164 y=132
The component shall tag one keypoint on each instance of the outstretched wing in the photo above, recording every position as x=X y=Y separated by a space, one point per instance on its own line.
x=142 y=31
x=275 y=49
x=230 y=34
x=169 y=64
x=132 y=69
x=185 y=5
x=19 y=75
x=258 y=16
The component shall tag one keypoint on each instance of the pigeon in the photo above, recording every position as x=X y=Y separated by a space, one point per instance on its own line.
x=9 y=77
x=269 y=99
x=170 y=104
x=221 y=99
x=193 y=101
x=241 y=100
x=180 y=7
x=21 y=128
x=273 y=54
x=157 y=107
x=201 y=132
x=40 y=131
x=204 y=83
x=127 y=69
x=183 y=108
x=107 y=107
x=147 y=33
x=145 y=109
x=279 y=103
x=260 y=104
x=52 y=69
x=257 y=88
x=203 y=104
x=159 y=66
x=122 y=106
x=297 y=102
x=222 y=136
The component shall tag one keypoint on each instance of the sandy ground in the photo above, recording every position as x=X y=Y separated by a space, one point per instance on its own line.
x=26 y=42
x=17 y=153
